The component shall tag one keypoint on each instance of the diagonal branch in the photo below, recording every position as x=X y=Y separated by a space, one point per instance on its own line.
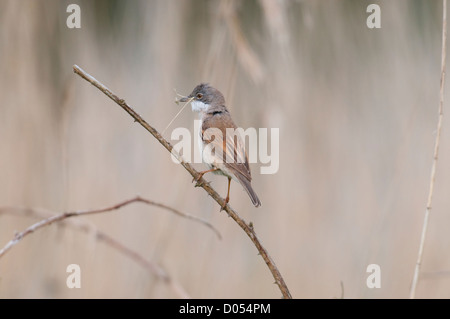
x=248 y=228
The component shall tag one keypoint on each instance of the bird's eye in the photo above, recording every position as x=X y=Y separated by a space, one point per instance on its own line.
x=199 y=95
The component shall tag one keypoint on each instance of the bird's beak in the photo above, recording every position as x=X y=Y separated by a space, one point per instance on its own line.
x=184 y=99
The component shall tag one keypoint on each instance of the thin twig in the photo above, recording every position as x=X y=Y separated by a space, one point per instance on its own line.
x=201 y=182
x=56 y=218
x=152 y=267
x=415 y=280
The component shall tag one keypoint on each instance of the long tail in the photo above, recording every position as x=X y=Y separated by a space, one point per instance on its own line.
x=248 y=187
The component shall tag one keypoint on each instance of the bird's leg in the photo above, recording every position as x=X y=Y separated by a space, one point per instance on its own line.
x=227 y=199
x=200 y=175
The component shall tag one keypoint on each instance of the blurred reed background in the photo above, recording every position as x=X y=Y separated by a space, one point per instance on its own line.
x=356 y=108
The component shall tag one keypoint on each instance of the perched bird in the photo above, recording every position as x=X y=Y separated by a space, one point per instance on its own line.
x=223 y=153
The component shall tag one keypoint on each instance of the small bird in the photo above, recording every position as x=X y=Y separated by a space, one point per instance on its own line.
x=229 y=157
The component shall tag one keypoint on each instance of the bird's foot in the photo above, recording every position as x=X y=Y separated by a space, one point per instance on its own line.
x=197 y=179
x=225 y=203
x=199 y=184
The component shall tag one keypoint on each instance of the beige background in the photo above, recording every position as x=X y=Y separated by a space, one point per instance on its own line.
x=357 y=112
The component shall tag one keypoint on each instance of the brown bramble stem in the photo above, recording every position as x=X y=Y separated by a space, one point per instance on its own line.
x=248 y=229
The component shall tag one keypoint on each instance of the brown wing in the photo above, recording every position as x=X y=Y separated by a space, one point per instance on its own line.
x=231 y=145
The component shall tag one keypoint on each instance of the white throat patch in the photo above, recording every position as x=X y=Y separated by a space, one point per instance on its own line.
x=198 y=106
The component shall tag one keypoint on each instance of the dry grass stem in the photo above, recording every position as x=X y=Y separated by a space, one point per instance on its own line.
x=179 y=112
x=415 y=280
